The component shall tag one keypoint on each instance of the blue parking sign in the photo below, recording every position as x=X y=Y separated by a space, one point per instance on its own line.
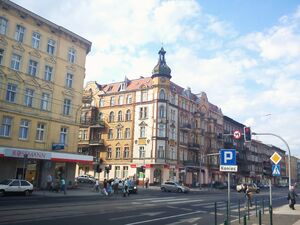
x=227 y=157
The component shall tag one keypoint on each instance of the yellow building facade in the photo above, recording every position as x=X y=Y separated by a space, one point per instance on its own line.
x=42 y=69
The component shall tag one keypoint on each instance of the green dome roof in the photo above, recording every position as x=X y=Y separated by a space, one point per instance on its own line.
x=161 y=69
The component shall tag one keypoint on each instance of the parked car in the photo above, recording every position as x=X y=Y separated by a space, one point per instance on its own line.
x=253 y=187
x=85 y=179
x=172 y=186
x=15 y=186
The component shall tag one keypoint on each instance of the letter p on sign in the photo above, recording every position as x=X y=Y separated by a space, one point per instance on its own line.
x=228 y=156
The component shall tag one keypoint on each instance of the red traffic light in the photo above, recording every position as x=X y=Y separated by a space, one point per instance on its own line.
x=247 y=134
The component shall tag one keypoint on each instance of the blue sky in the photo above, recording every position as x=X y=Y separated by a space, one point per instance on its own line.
x=244 y=54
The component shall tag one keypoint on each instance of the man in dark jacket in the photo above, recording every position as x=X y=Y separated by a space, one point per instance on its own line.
x=292 y=197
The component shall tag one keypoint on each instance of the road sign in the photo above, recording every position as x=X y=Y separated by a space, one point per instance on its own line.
x=237 y=134
x=276 y=170
x=275 y=158
x=228 y=160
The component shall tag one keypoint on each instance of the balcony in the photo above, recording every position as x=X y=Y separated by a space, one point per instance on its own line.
x=96 y=142
x=91 y=122
x=194 y=146
x=186 y=126
x=190 y=163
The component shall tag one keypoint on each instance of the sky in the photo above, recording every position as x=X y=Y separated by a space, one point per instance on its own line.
x=245 y=54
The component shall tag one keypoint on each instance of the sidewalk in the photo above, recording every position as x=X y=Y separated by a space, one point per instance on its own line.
x=281 y=216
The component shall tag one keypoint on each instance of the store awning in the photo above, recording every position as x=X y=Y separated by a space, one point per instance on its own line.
x=45 y=155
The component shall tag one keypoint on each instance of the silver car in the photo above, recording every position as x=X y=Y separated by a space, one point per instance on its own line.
x=172 y=186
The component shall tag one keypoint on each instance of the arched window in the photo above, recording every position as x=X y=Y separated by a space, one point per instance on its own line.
x=120 y=116
x=84 y=117
x=100 y=116
x=161 y=111
x=111 y=117
x=128 y=115
x=162 y=94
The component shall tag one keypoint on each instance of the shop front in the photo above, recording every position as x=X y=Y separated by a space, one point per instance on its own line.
x=35 y=165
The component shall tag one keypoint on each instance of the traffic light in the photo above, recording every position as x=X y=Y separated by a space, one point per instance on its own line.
x=247 y=134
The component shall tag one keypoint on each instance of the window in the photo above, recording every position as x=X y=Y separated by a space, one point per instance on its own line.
x=40 y=132
x=36 y=37
x=129 y=99
x=71 y=55
x=117 y=171
x=161 y=152
x=45 y=101
x=100 y=116
x=11 y=92
x=63 y=135
x=173 y=115
x=108 y=154
x=111 y=117
x=32 y=68
x=20 y=32
x=173 y=134
x=127 y=133
x=69 y=80
x=28 y=99
x=144 y=95
x=101 y=103
x=143 y=113
x=15 y=62
x=173 y=99
x=110 y=134
x=119 y=133
x=125 y=171
x=51 y=47
x=23 y=132
x=5 y=130
x=118 y=153
x=128 y=115
x=112 y=101
x=3 y=25
x=161 y=130
x=126 y=152
x=67 y=107
x=141 y=152
x=162 y=111
x=48 y=73
x=1 y=56
x=162 y=94
x=120 y=116
x=121 y=100
x=142 y=132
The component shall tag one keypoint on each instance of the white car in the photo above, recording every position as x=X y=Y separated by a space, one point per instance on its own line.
x=172 y=186
x=86 y=179
x=15 y=186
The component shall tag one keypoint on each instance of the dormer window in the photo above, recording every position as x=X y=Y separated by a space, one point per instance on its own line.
x=122 y=87
x=162 y=94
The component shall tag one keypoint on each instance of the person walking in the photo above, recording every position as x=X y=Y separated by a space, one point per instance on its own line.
x=63 y=185
x=147 y=182
x=49 y=182
x=96 y=185
x=292 y=197
x=248 y=195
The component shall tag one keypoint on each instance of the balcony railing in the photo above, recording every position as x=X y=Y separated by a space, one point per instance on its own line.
x=91 y=121
x=96 y=142
x=186 y=126
x=194 y=145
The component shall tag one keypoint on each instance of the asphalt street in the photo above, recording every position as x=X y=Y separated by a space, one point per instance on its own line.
x=149 y=206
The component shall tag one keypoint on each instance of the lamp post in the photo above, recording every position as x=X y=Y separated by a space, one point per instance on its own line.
x=289 y=156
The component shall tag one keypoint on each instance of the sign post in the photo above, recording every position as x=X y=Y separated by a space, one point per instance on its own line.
x=228 y=164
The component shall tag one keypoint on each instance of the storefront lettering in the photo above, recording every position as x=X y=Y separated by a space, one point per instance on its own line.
x=30 y=154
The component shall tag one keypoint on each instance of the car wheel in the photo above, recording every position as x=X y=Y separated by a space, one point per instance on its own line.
x=27 y=193
x=179 y=190
x=2 y=192
x=163 y=189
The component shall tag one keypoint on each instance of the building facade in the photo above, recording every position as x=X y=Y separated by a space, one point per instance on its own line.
x=42 y=68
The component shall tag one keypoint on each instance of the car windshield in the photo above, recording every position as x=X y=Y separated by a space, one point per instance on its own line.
x=5 y=182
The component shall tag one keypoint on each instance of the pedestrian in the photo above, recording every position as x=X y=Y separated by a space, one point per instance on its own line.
x=248 y=195
x=104 y=190
x=63 y=185
x=292 y=197
x=96 y=185
x=125 y=188
x=49 y=182
x=116 y=186
x=147 y=182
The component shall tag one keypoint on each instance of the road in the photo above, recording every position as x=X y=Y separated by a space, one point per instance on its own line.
x=149 y=206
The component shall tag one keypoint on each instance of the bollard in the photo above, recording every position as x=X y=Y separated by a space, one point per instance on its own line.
x=271 y=215
x=245 y=219
x=239 y=209
x=248 y=210
x=255 y=207
x=227 y=211
x=216 y=218
x=263 y=205
x=225 y=222
x=259 y=217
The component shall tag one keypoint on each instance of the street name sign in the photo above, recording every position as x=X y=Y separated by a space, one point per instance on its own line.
x=276 y=158
x=228 y=160
x=276 y=170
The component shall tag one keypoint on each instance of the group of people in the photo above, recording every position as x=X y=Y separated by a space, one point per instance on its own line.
x=56 y=185
x=112 y=186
